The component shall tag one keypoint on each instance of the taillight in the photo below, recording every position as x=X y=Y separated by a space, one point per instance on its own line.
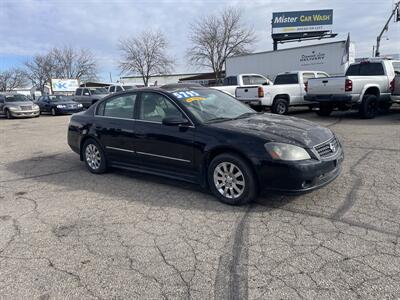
x=348 y=86
x=260 y=92
x=306 y=86
x=392 y=86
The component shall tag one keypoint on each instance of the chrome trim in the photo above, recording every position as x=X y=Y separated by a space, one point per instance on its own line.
x=324 y=142
x=120 y=149
x=107 y=117
x=162 y=156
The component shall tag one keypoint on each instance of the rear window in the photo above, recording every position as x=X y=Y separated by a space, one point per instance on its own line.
x=286 y=79
x=231 y=80
x=396 y=67
x=366 y=69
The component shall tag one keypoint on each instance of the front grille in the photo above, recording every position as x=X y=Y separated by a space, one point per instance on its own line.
x=328 y=148
x=26 y=107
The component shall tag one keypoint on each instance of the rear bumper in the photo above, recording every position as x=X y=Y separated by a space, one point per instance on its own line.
x=395 y=98
x=299 y=177
x=332 y=98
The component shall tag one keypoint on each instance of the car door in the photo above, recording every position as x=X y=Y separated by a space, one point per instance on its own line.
x=45 y=104
x=163 y=147
x=306 y=77
x=1 y=103
x=115 y=125
x=86 y=98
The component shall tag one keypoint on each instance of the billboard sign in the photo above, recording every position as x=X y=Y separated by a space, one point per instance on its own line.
x=302 y=21
x=64 y=85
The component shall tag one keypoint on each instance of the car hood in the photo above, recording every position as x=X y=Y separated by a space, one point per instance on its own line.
x=276 y=128
x=20 y=103
x=64 y=102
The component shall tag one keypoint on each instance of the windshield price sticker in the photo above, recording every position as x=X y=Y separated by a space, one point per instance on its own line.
x=185 y=94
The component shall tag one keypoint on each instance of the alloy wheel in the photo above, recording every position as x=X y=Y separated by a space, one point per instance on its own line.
x=93 y=156
x=229 y=180
x=281 y=108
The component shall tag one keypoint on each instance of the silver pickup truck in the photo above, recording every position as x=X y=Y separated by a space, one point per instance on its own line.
x=396 y=89
x=366 y=86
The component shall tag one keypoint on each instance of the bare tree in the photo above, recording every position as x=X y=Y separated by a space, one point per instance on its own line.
x=11 y=79
x=40 y=70
x=217 y=37
x=71 y=63
x=62 y=63
x=145 y=55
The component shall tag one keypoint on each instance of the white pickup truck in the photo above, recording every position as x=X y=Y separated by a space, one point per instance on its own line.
x=288 y=90
x=232 y=82
x=396 y=89
x=366 y=86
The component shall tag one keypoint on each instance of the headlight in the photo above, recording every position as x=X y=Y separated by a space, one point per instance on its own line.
x=80 y=105
x=61 y=106
x=14 y=108
x=281 y=151
x=35 y=106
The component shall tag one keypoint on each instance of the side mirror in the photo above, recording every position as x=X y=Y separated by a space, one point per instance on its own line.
x=175 y=121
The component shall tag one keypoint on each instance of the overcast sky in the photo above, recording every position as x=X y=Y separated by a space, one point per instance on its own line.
x=28 y=27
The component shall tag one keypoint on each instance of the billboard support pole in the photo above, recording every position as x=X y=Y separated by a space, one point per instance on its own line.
x=275 y=45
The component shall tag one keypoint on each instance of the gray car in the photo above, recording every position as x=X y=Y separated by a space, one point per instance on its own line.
x=17 y=106
x=87 y=96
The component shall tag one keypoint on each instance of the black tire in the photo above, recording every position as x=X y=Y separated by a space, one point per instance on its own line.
x=89 y=161
x=8 y=114
x=325 y=109
x=53 y=111
x=368 y=107
x=280 y=106
x=241 y=173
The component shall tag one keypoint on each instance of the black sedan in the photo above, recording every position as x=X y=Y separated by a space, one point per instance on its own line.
x=205 y=136
x=58 y=104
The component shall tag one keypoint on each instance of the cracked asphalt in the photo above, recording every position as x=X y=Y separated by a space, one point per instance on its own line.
x=66 y=233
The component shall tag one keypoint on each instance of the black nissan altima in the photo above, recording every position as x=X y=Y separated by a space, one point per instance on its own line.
x=205 y=136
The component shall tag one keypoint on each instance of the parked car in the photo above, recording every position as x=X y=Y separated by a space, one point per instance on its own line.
x=88 y=96
x=242 y=80
x=58 y=104
x=366 y=86
x=205 y=136
x=396 y=88
x=17 y=106
x=120 y=88
x=288 y=90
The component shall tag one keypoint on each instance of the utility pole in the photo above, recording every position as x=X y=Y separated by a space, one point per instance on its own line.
x=386 y=27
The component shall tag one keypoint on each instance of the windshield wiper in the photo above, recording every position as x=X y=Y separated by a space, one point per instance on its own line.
x=219 y=119
x=245 y=115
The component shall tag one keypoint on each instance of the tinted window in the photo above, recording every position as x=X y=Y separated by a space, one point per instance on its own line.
x=353 y=70
x=86 y=92
x=307 y=76
x=118 y=107
x=112 y=89
x=396 y=67
x=286 y=79
x=371 y=69
x=1 y=99
x=231 y=80
x=118 y=89
x=155 y=107
x=78 y=92
x=16 y=98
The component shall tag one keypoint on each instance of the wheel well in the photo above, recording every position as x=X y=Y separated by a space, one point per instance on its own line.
x=226 y=150
x=372 y=91
x=282 y=96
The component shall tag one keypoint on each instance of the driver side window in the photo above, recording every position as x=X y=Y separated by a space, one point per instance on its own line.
x=155 y=107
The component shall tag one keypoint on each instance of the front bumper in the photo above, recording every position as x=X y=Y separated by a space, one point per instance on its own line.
x=300 y=176
x=68 y=111
x=24 y=113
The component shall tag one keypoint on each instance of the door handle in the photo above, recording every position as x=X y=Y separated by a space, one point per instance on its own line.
x=246 y=90
x=324 y=81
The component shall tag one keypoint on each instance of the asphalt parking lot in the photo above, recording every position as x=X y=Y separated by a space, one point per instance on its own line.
x=65 y=233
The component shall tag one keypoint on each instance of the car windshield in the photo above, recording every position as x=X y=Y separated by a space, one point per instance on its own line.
x=16 y=98
x=98 y=91
x=210 y=105
x=57 y=98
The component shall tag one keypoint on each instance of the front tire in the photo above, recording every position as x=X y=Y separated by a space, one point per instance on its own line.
x=368 y=107
x=280 y=106
x=8 y=114
x=94 y=157
x=232 y=180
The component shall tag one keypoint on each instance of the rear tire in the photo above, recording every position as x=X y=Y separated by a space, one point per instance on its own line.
x=280 y=106
x=94 y=157
x=368 y=107
x=232 y=180
x=325 y=109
